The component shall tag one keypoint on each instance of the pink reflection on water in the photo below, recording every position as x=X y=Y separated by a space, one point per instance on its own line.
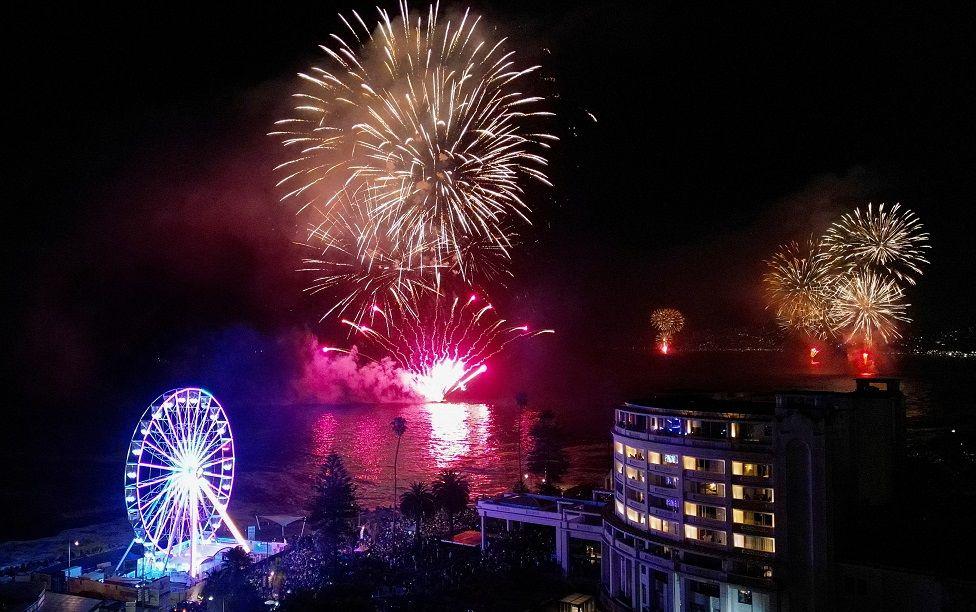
x=454 y=429
x=439 y=436
x=324 y=433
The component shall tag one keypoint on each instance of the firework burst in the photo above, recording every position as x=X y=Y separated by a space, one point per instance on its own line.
x=367 y=268
x=428 y=113
x=868 y=306
x=667 y=322
x=442 y=344
x=891 y=240
x=799 y=283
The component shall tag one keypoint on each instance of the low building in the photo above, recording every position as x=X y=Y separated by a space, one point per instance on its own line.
x=147 y=593
x=577 y=524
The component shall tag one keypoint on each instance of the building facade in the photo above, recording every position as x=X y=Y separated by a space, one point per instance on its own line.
x=733 y=503
x=736 y=504
x=693 y=524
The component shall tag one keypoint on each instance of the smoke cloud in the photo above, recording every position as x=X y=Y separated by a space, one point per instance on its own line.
x=332 y=376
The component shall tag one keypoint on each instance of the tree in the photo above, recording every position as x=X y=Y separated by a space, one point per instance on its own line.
x=334 y=507
x=418 y=502
x=399 y=426
x=452 y=492
x=548 y=457
x=231 y=584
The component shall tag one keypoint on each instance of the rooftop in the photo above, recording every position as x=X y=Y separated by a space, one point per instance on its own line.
x=711 y=404
x=545 y=503
x=689 y=403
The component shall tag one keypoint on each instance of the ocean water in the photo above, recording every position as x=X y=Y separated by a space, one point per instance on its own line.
x=280 y=446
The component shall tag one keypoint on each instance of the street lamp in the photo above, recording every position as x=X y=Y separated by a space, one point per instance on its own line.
x=69 y=551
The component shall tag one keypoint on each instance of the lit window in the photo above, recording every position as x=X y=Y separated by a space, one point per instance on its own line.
x=749 y=517
x=715 y=430
x=635 y=474
x=751 y=542
x=619 y=507
x=618 y=448
x=701 y=534
x=653 y=457
x=638 y=518
x=715 y=513
x=713 y=466
x=763 y=494
x=669 y=426
x=670 y=459
x=760 y=470
x=634 y=453
x=660 y=480
x=618 y=467
x=714 y=489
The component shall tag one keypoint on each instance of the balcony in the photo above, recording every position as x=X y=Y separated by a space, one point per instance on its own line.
x=705 y=489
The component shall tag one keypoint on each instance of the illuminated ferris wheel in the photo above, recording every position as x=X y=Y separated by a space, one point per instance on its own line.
x=179 y=473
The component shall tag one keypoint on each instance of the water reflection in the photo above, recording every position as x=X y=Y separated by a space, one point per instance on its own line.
x=475 y=439
x=454 y=428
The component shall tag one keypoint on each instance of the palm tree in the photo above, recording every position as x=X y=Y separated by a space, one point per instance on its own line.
x=399 y=426
x=548 y=455
x=417 y=503
x=452 y=492
x=521 y=400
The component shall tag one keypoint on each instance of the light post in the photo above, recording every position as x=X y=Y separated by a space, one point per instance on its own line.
x=69 y=550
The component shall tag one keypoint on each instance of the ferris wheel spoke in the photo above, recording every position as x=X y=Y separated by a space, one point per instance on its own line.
x=212 y=439
x=154 y=481
x=203 y=460
x=152 y=496
x=215 y=475
x=156 y=466
x=178 y=433
x=217 y=461
x=159 y=452
x=212 y=493
x=201 y=442
x=155 y=517
x=165 y=436
x=165 y=495
x=170 y=521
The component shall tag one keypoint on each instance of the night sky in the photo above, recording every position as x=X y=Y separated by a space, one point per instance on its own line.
x=143 y=231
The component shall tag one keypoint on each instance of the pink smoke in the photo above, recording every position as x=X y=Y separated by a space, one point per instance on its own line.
x=338 y=376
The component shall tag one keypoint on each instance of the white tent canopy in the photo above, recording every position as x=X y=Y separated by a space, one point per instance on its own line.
x=282 y=520
x=279 y=519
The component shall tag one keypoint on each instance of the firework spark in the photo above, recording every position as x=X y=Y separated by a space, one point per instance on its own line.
x=667 y=322
x=427 y=113
x=891 y=240
x=867 y=306
x=364 y=267
x=799 y=284
x=442 y=344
